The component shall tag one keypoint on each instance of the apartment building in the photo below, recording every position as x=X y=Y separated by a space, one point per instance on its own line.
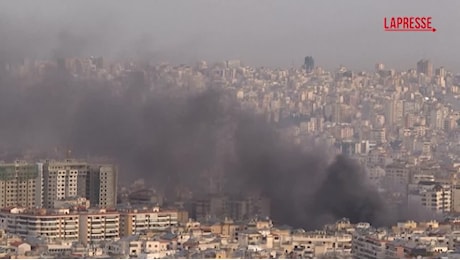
x=314 y=244
x=368 y=245
x=433 y=196
x=140 y=221
x=378 y=135
x=98 y=225
x=101 y=186
x=397 y=177
x=60 y=225
x=456 y=198
x=19 y=184
x=71 y=179
x=227 y=206
x=63 y=179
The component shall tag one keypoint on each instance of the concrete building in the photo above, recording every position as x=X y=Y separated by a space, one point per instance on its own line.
x=71 y=178
x=140 y=221
x=456 y=198
x=378 y=135
x=231 y=207
x=19 y=182
x=433 y=196
x=101 y=186
x=425 y=67
x=397 y=177
x=63 y=179
x=100 y=225
x=58 y=225
x=368 y=246
x=436 y=119
x=75 y=203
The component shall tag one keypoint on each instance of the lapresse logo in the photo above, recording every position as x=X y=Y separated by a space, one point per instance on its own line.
x=408 y=24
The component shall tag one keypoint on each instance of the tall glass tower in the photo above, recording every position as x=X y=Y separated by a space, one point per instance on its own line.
x=309 y=64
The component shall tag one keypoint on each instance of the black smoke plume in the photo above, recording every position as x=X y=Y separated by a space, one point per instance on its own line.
x=175 y=138
x=178 y=139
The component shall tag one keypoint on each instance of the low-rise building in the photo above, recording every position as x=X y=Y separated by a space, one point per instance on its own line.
x=59 y=225
x=99 y=225
x=140 y=221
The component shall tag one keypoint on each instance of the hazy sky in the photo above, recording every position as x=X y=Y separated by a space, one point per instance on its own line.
x=258 y=32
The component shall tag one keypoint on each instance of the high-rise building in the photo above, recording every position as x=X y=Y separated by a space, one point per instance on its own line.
x=425 y=67
x=436 y=119
x=456 y=198
x=441 y=72
x=71 y=179
x=63 y=179
x=309 y=64
x=379 y=67
x=101 y=186
x=394 y=112
x=18 y=184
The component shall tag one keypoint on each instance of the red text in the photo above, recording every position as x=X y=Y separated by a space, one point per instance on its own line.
x=411 y=23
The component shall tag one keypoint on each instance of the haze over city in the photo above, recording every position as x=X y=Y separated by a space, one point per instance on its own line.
x=229 y=129
x=271 y=34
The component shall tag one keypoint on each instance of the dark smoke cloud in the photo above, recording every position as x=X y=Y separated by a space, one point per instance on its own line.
x=180 y=139
x=173 y=138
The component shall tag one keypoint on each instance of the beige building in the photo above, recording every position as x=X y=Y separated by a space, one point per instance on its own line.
x=456 y=198
x=320 y=244
x=60 y=225
x=19 y=184
x=139 y=221
x=98 y=225
x=369 y=246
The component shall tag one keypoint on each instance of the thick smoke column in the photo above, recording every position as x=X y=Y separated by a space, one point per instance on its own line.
x=175 y=138
x=172 y=137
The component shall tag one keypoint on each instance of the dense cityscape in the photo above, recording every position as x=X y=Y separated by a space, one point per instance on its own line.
x=402 y=127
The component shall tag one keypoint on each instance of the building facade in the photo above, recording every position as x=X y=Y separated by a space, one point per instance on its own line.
x=63 y=179
x=140 y=221
x=19 y=182
x=96 y=226
x=71 y=179
x=53 y=226
x=101 y=186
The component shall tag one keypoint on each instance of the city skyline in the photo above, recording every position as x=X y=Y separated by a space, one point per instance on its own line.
x=229 y=129
x=185 y=32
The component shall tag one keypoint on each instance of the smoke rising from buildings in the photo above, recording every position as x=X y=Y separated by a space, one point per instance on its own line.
x=178 y=139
